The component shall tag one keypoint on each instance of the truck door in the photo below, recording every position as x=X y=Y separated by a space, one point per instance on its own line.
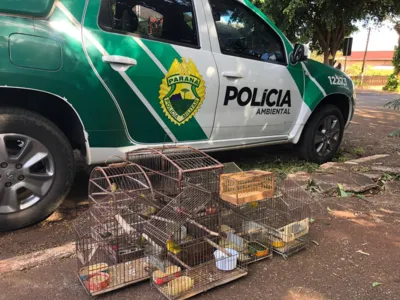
x=155 y=58
x=258 y=96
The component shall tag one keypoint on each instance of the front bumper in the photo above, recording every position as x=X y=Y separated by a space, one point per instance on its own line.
x=352 y=108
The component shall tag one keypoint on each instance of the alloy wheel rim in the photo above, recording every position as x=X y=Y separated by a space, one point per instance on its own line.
x=27 y=172
x=327 y=136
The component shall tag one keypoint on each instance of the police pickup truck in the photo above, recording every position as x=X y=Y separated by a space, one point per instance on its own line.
x=104 y=77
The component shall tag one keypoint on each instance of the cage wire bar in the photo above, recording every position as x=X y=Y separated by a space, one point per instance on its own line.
x=168 y=168
x=109 y=241
x=186 y=253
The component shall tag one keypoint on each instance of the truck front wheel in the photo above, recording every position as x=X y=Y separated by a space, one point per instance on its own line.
x=322 y=135
x=37 y=167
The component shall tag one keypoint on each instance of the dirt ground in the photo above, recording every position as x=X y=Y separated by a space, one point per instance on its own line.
x=331 y=268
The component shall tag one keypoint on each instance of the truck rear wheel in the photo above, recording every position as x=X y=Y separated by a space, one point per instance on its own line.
x=37 y=168
x=322 y=135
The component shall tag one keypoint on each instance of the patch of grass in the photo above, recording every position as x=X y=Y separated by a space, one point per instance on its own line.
x=358 y=150
x=340 y=156
x=364 y=169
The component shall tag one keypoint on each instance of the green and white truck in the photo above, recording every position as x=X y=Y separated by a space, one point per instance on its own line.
x=104 y=77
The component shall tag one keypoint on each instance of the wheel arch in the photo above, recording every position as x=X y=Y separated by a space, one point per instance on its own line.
x=53 y=107
x=340 y=100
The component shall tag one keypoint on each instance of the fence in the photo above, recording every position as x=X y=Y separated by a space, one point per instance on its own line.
x=371 y=80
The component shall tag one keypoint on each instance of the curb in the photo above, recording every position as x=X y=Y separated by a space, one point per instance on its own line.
x=34 y=259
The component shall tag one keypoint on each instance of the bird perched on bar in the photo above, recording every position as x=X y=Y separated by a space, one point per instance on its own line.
x=114 y=187
x=173 y=247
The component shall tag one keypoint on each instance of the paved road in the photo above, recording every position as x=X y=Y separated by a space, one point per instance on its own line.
x=374 y=99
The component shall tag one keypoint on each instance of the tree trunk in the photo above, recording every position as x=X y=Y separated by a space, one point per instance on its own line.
x=326 y=56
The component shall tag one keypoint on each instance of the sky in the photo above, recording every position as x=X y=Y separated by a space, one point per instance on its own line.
x=381 y=39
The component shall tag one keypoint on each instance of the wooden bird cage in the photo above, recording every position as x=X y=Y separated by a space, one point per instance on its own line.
x=244 y=187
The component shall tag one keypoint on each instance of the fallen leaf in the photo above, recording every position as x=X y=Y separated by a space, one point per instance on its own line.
x=329 y=209
x=342 y=192
x=312 y=220
x=363 y=253
x=374 y=284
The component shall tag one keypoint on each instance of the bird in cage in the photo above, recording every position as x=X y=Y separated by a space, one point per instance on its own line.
x=254 y=204
x=173 y=247
x=114 y=187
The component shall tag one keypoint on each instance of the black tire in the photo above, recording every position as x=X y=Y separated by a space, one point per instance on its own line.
x=306 y=146
x=27 y=123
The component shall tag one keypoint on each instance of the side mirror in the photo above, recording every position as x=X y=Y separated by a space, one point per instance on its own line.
x=217 y=16
x=300 y=53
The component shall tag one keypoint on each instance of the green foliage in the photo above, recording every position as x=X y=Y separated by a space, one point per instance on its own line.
x=396 y=60
x=355 y=70
x=393 y=83
x=325 y=23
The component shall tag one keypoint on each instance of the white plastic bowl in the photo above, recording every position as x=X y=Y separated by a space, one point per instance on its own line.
x=224 y=262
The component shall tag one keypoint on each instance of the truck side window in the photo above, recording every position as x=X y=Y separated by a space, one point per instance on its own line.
x=171 y=21
x=242 y=33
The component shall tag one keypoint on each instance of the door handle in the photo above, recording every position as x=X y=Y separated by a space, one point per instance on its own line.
x=232 y=74
x=119 y=63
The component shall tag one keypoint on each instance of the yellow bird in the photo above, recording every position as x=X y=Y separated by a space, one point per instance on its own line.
x=114 y=187
x=173 y=247
x=254 y=204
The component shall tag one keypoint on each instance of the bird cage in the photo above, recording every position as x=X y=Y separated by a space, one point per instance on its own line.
x=108 y=257
x=184 y=248
x=252 y=239
x=109 y=242
x=287 y=215
x=168 y=168
x=120 y=185
x=244 y=187
x=231 y=167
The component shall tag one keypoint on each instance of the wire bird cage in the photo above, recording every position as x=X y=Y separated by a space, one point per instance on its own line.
x=169 y=168
x=109 y=242
x=120 y=185
x=286 y=214
x=184 y=247
x=250 y=238
x=231 y=167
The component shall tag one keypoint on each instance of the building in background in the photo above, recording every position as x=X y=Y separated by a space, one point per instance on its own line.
x=381 y=60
